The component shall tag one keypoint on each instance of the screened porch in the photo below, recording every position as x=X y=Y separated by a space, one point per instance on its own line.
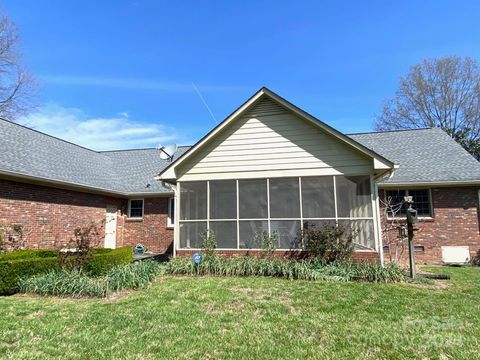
x=236 y=210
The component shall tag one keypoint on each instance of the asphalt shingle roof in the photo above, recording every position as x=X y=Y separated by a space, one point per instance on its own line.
x=426 y=155
x=32 y=153
x=423 y=156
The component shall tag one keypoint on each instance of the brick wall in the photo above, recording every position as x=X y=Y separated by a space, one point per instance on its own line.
x=455 y=222
x=49 y=216
x=152 y=230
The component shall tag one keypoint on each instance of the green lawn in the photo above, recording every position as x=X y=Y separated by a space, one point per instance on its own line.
x=217 y=318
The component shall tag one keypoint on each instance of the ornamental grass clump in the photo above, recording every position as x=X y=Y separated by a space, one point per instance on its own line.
x=77 y=283
x=285 y=268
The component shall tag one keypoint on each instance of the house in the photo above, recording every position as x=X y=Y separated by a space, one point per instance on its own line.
x=269 y=166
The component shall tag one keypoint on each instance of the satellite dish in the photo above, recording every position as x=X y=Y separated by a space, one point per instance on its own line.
x=167 y=152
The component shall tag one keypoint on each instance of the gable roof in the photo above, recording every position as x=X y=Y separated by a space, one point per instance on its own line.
x=426 y=156
x=33 y=155
x=380 y=162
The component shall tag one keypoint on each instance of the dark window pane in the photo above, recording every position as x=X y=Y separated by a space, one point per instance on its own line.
x=252 y=199
x=193 y=200
x=284 y=198
x=318 y=197
x=287 y=232
x=421 y=201
x=223 y=199
x=225 y=233
x=136 y=208
x=191 y=234
x=353 y=196
x=250 y=230
x=172 y=210
x=394 y=202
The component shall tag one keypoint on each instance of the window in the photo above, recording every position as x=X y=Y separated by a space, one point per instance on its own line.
x=135 y=208
x=171 y=212
x=240 y=212
x=421 y=202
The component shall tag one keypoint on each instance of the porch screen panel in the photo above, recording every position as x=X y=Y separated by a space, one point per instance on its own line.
x=284 y=198
x=191 y=234
x=223 y=199
x=225 y=233
x=318 y=198
x=253 y=199
x=193 y=200
x=250 y=232
x=364 y=233
x=287 y=232
x=353 y=196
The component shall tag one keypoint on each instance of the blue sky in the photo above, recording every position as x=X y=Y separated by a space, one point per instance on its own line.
x=119 y=74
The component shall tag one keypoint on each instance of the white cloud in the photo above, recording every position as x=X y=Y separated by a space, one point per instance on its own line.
x=98 y=133
x=132 y=83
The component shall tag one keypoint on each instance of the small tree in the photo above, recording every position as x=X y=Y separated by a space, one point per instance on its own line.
x=12 y=237
x=393 y=229
x=79 y=250
x=266 y=242
x=209 y=244
x=329 y=243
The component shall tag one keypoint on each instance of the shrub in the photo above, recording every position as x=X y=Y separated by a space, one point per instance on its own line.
x=13 y=269
x=23 y=263
x=266 y=242
x=28 y=254
x=476 y=259
x=104 y=261
x=329 y=243
x=77 y=283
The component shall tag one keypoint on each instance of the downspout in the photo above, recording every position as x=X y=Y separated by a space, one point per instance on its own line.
x=388 y=174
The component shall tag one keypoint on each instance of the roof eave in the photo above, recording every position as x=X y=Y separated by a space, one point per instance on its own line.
x=12 y=175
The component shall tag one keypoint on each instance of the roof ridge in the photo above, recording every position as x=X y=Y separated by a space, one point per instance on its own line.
x=389 y=131
x=45 y=134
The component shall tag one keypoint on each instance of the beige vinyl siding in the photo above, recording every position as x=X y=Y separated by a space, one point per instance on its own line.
x=270 y=141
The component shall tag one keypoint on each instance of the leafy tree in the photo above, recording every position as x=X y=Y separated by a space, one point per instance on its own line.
x=442 y=92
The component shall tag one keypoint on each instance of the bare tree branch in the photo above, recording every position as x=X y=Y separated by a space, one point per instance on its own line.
x=442 y=93
x=17 y=86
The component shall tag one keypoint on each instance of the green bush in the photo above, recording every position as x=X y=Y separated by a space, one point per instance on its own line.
x=77 y=283
x=21 y=263
x=12 y=270
x=285 y=268
x=103 y=261
x=329 y=243
x=27 y=254
x=476 y=259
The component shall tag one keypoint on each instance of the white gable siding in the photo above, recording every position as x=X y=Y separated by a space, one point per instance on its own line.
x=270 y=141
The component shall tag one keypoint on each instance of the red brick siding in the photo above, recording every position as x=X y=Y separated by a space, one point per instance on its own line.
x=152 y=230
x=49 y=216
x=455 y=222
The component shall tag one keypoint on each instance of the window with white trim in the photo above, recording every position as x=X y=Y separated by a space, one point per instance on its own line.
x=236 y=210
x=421 y=202
x=135 y=208
x=171 y=212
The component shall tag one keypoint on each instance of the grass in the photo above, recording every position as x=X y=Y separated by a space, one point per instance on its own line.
x=252 y=317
